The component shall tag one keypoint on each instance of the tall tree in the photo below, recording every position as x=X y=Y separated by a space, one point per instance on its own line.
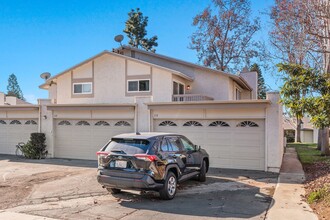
x=224 y=36
x=290 y=39
x=261 y=81
x=292 y=43
x=13 y=88
x=293 y=93
x=135 y=29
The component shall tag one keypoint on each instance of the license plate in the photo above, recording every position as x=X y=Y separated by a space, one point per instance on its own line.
x=121 y=163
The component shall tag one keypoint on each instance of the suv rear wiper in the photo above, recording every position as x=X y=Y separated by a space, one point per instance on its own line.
x=118 y=151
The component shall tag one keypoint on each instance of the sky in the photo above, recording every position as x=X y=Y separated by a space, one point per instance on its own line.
x=39 y=36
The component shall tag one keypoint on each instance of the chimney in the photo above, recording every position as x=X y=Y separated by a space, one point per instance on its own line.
x=2 y=98
x=11 y=100
x=252 y=79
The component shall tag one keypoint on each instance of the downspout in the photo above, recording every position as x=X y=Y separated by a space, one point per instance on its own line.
x=135 y=118
x=266 y=140
x=40 y=111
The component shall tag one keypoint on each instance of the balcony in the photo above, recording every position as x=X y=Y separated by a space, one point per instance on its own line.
x=190 y=98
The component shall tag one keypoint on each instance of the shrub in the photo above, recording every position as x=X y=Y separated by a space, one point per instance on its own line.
x=35 y=148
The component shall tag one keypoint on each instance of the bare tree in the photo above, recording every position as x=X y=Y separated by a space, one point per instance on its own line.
x=291 y=41
x=224 y=36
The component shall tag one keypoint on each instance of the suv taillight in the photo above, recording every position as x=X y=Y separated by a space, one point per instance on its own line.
x=146 y=157
x=101 y=157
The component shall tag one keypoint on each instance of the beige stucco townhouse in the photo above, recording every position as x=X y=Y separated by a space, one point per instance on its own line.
x=130 y=90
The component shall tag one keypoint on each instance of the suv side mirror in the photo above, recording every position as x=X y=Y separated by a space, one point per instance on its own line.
x=197 y=148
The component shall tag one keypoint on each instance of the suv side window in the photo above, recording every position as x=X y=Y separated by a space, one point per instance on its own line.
x=188 y=146
x=164 y=146
x=175 y=143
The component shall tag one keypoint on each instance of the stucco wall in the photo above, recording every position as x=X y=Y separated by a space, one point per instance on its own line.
x=161 y=85
x=84 y=71
x=206 y=82
x=110 y=79
x=274 y=133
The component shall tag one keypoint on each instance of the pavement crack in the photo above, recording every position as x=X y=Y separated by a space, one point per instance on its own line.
x=128 y=214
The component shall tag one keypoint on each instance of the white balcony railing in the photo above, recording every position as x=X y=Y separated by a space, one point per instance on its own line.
x=190 y=98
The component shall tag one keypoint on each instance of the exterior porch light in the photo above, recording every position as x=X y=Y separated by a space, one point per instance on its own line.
x=188 y=87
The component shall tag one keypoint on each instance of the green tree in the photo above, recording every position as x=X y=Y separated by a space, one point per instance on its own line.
x=294 y=91
x=261 y=81
x=13 y=89
x=135 y=29
x=318 y=107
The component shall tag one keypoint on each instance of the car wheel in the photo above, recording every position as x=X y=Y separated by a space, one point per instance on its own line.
x=170 y=186
x=202 y=172
x=114 y=190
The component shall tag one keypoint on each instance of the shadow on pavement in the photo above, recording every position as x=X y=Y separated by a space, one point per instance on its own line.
x=52 y=161
x=220 y=196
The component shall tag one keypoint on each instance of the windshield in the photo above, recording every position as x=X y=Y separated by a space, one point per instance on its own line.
x=127 y=146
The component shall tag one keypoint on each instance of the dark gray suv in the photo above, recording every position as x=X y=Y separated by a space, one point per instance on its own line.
x=150 y=161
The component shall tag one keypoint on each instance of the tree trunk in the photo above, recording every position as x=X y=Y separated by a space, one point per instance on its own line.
x=319 y=139
x=298 y=131
x=325 y=142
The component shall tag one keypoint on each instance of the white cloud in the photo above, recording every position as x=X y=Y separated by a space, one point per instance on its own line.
x=31 y=98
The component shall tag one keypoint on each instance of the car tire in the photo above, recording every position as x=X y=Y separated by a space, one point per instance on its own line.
x=202 y=172
x=170 y=186
x=114 y=190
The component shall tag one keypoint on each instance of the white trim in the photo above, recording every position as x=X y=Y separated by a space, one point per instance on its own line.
x=138 y=80
x=82 y=92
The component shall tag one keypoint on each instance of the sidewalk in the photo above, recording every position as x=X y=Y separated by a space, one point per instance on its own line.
x=287 y=199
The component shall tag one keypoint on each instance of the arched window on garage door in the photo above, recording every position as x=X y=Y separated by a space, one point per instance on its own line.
x=102 y=123
x=247 y=124
x=192 y=123
x=219 y=124
x=122 y=123
x=15 y=122
x=82 y=123
x=65 y=122
x=2 y=122
x=31 y=122
x=167 y=123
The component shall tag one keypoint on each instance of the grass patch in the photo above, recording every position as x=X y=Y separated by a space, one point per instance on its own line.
x=321 y=194
x=308 y=153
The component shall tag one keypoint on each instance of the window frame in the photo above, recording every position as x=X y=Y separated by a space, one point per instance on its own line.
x=82 y=92
x=138 y=80
x=178 y=85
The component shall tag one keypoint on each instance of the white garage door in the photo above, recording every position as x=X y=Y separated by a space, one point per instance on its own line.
x=81 y=139
x=237 y=144
x=14 y=131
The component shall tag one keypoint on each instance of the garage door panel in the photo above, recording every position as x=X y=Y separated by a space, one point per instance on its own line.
x=81 y=139
x=228 y=144
x=12 y=134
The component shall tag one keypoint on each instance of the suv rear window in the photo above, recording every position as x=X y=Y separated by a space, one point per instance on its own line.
x=127 y=146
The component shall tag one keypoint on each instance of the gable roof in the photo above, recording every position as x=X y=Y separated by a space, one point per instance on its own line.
x=239 y=80
x=48 y=81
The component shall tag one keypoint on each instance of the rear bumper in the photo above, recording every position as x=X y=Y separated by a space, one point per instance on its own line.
x=121 y=181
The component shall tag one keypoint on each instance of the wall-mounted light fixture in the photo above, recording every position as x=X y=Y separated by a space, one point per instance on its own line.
x=45 y=116
x=188 y=87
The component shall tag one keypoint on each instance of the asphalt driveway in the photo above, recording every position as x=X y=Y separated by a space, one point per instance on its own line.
x=67 y=189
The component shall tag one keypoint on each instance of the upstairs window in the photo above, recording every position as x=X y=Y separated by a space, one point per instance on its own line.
x=139 y=85
x=82 y=88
